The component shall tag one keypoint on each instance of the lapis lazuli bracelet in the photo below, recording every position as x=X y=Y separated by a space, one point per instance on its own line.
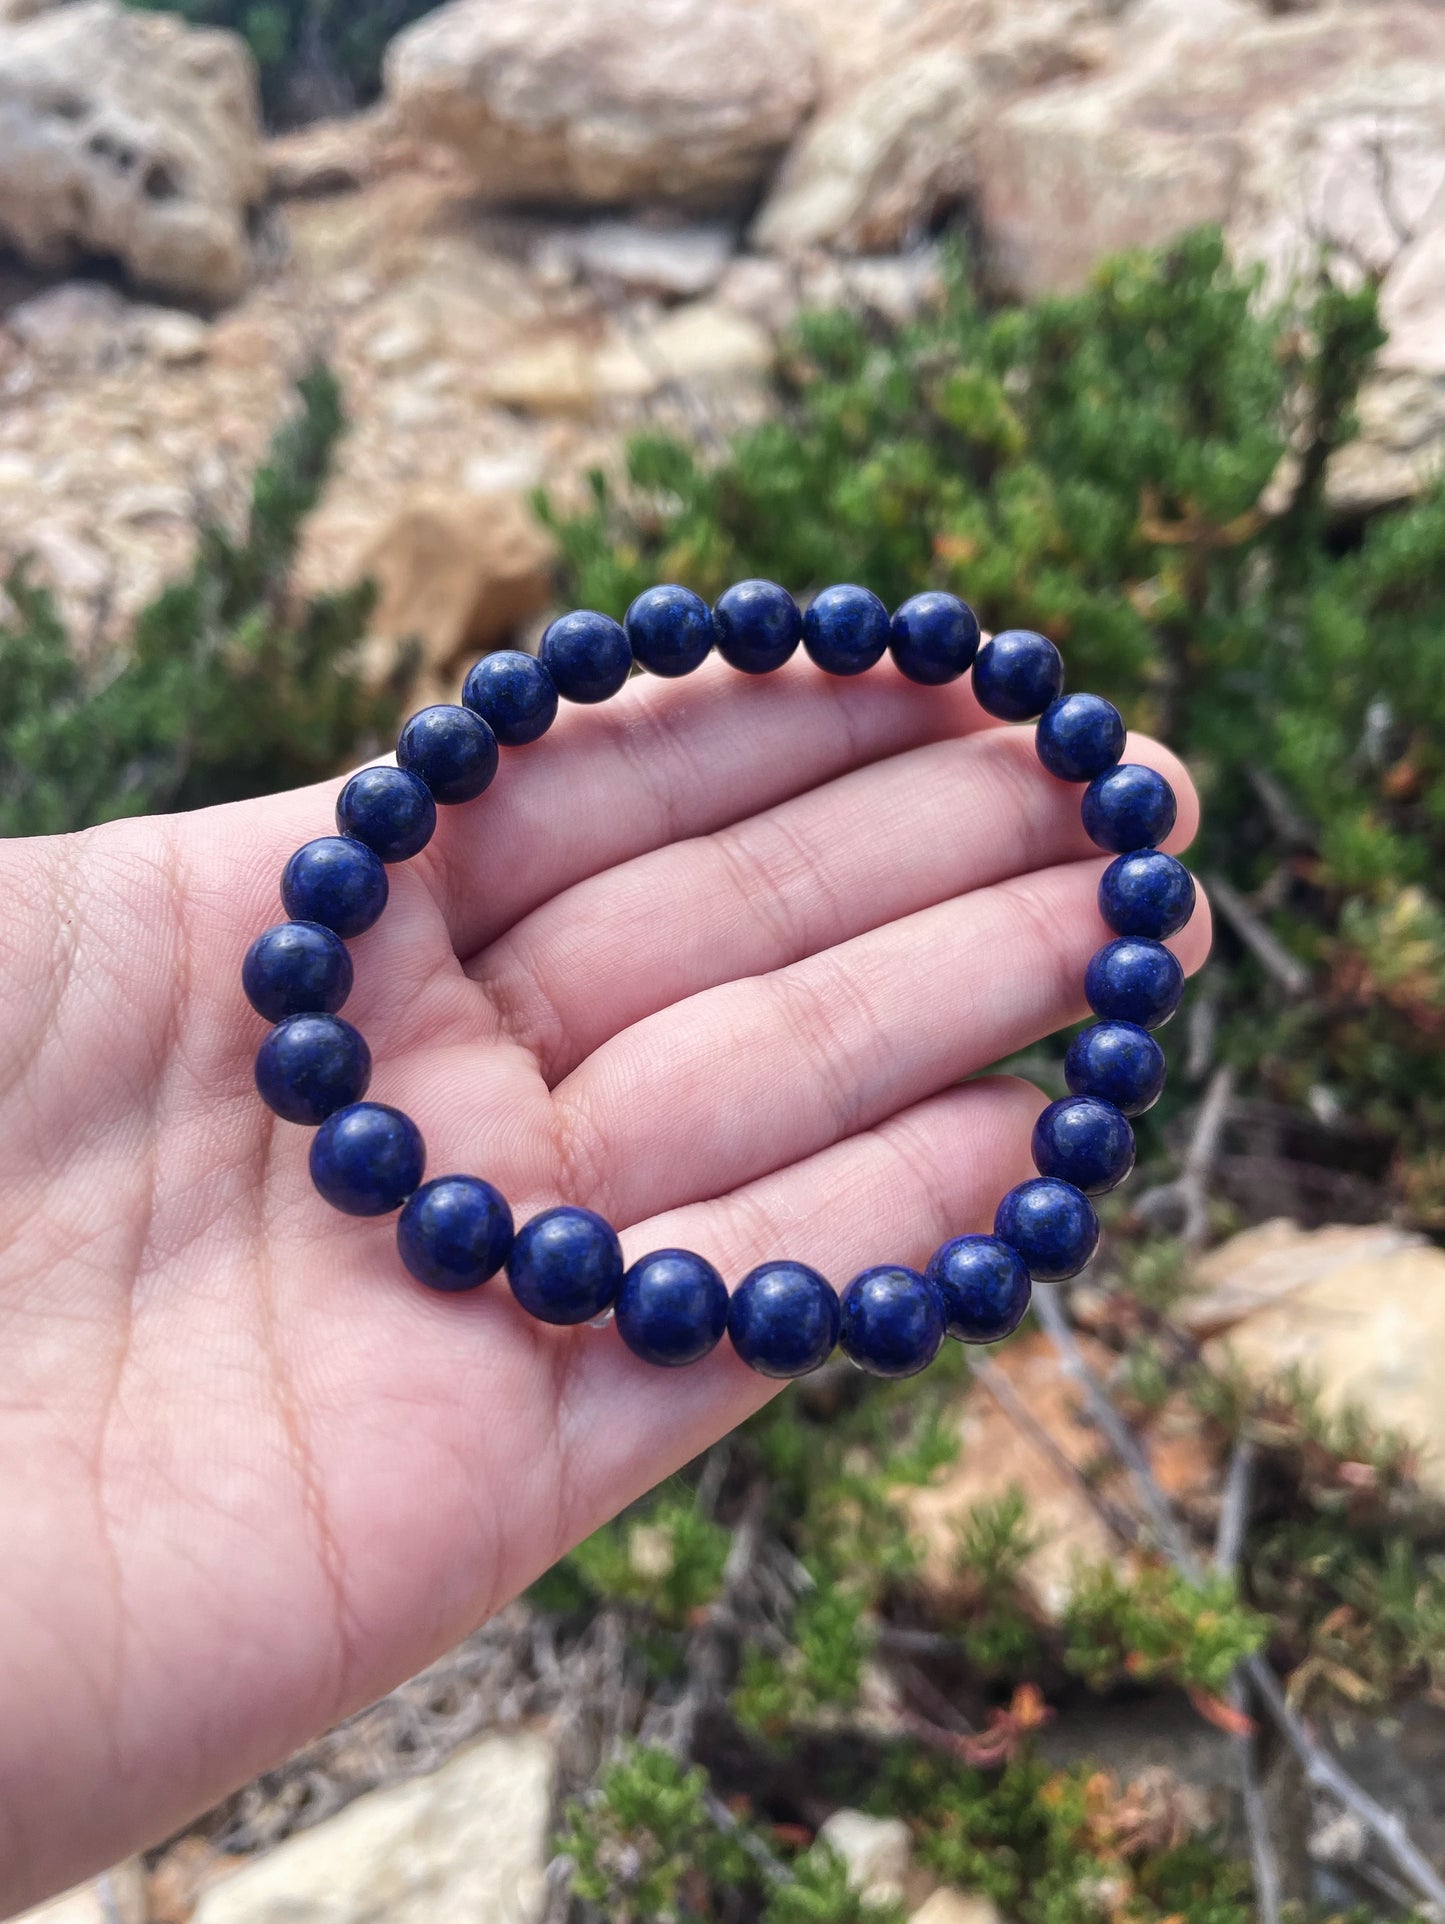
x=565 y=1266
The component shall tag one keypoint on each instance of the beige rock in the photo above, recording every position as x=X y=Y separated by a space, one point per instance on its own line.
x=458 y=573
x=1297 y=133
x=131 y=136
x=598 y=101
x=117 y=1898
x=876 y=1850
x=467 y=1845
x=698 y=344
x=1368 y=1333
x=675 y=263
x=1262 y=1266
x=957 y=1907
x=326 y=157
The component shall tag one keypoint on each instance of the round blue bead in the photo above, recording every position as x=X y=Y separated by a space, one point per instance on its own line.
x=1146 y=893
x=1120 y=1063
x=513 y=694
x=984 y=1285
x=933 y=638
x=845 y=629
x=310 y=1066
x=1128 y=807
x=672 y=1308
x=783 y=1319
x=891 y=1321
x=757 y=625
x=337 y=882
x=389 y=809
x=366 y=1160
x=1134 y=980
x=1017 y=674
x=1051 y=1224
x=670 y=630
x=451 y=749
x=1079 y=736
x=1086 y=1142
x=566 y=1266
x=296 y=968
x=454 y=1233
x=587 y=655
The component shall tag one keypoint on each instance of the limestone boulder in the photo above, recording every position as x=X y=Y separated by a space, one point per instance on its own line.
x=129 y=137
x=605 y=101
x=466 y=1845
x=1302 y=135
x=458 y=573
x=1359 y=1313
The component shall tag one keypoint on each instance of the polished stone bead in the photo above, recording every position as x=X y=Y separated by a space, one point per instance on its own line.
x=891 y=1321
x=933 y=638
x=296 y=968
x=566 y=1266
x=389 y=809
x=366 y=1160
x=1128 y=807
x=783 y=1319
x=984 y=1285
x=845 y=630
x=454 y=1233
x=310 y=1066
x=1051 y=1224
x=451 y=749
x=1147 y=893
x=513 y=694
x=672 y=1308
x=1086 y=1142
x=337 y=882
x=1120 y=1063
x=587 y=655
x=1017 y=674
x=670 y=630
x=1134 y=980
x=1079 y=736
x=757 y=625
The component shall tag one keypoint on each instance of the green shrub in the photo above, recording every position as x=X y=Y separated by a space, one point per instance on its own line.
x=1138 y=471
x=314 y=56
x=1159 y=1627
x=228 y=686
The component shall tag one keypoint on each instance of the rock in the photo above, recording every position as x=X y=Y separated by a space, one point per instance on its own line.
x=467 y=1845
x=876 y=1850
x=1296 y=133
x=873 y=171
x=86 y=326
x=458 y=573
x=1261 y=1266
x=604 y=101
x=701 y=344
x=117 y=1898
x=672 y=263
x=1367 y=1331
x=326 y=157
x=957 y=1907
x=130 y=136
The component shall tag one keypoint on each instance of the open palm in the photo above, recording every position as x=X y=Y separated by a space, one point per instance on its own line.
x=714 y=960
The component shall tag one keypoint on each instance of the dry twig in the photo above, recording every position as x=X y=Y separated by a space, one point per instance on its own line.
x=1266 y=948
x=1188 y=1194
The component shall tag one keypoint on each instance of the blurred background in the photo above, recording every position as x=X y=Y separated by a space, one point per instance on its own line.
x=340 y=341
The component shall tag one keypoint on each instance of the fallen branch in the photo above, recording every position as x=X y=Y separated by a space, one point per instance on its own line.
x=1266 y=948
x=1189 y=1192
x=1322 y=1772
x=1228 y=1551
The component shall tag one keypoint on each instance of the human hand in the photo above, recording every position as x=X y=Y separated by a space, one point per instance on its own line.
x=713 y=960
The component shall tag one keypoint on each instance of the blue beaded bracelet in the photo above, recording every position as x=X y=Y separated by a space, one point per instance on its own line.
x=566 y=1266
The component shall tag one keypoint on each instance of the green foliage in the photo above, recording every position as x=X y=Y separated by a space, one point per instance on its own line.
x=668 y=1555
x=644 y=1844
x=314 y=56
x=1059 y=1847
x=227 y=688
x=1159 y=1626
x=1138 y=470
x=819 y=1669
x=818 y=1893
x=999 y=1635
